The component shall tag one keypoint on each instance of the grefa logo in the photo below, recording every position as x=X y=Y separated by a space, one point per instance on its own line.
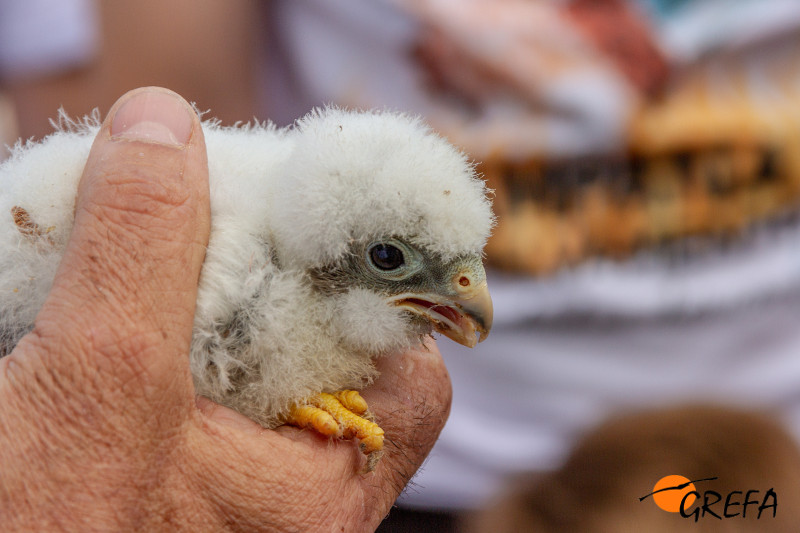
x=678 y=494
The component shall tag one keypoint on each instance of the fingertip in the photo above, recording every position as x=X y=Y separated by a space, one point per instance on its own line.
x=419 y=368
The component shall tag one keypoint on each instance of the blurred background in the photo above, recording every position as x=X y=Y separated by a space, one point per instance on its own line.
x=645 y=268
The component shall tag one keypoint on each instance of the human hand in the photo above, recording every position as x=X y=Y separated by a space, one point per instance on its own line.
x=99 y=425
x=522 y=78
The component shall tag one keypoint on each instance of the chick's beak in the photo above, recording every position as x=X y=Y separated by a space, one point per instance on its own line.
x=476 y=316
x=465 y=317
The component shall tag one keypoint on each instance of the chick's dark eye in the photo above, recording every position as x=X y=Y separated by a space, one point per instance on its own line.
x=386 y=256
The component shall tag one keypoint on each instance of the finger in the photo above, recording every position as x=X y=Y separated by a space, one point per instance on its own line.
x=411 y=401
x=123 y=299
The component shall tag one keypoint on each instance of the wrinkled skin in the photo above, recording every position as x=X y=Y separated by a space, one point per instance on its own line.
x=100 y=428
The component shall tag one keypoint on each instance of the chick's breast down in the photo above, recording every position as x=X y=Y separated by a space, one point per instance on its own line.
x=301 y=286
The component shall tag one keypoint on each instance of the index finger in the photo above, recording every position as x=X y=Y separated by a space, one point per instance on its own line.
x=239 y=464
x=411 y=400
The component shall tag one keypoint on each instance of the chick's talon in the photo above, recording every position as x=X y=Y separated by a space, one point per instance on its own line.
x=344 y=410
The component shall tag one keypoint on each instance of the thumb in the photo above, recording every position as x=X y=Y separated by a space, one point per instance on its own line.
x=122 y=303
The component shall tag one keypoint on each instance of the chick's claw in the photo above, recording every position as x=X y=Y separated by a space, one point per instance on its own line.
x=345 y=410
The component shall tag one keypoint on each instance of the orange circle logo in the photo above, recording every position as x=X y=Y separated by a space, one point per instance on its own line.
x=669 y=491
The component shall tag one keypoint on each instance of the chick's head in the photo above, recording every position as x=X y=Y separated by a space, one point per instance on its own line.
x=389 y=220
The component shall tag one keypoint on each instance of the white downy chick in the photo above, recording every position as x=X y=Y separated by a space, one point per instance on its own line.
x=341 y=239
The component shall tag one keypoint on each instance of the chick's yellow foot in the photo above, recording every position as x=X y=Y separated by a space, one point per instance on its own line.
x=339 y=415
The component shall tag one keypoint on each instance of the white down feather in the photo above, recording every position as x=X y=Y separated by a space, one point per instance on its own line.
x=282 y=201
